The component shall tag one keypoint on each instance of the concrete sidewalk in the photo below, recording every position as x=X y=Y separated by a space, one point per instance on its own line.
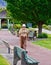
x=43 y=55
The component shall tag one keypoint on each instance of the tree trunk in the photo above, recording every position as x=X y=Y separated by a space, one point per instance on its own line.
x=40 y=27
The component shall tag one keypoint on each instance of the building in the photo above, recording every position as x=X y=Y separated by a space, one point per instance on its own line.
x=4 y=20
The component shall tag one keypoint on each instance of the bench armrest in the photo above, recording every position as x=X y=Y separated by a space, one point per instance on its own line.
x=11 y=47
x=31 y=60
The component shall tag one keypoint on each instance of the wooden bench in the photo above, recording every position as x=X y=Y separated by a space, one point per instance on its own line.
x=21 y=54
x=30 y=34
x=10 y=47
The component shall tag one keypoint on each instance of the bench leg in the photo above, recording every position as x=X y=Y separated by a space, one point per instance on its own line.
x=23 y=60
x=8 y=50
x=15 y=61
x=16 y=58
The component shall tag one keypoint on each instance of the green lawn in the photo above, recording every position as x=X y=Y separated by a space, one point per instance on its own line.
x=44 y=43
x=3 y=61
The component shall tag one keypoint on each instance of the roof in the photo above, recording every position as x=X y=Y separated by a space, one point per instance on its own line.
x=3 y=14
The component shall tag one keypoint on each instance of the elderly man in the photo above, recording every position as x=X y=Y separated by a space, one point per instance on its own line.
x=23 y=34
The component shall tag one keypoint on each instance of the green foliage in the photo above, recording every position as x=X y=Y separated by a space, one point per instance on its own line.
x=2 y=9
x=45 y=26
x=17 y=26
x=43 y=35
x=49 y=22
x=48 y=27
x=31 y=29
x=30 y=10
x=38 y=11
x=35 y=26
x=8 y=14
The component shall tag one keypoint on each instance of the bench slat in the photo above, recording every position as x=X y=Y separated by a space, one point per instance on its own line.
x=20 y=53
x=31 y=60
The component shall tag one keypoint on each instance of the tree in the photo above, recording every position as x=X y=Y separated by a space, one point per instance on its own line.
x=38 y=11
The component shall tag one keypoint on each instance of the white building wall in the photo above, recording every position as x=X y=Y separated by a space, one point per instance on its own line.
x=8 y=23
x=0 y=23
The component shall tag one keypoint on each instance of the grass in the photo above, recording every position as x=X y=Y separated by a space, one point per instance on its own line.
x=45 y=42
x=3 y=61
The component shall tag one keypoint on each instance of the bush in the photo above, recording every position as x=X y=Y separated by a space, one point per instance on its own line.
x=17 y=26
x=35 y=26
x=43 y=35
x=45 y=26
x=48 y=27
x=31 y=29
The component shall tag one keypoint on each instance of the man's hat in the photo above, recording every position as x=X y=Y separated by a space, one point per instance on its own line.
x=23 y=25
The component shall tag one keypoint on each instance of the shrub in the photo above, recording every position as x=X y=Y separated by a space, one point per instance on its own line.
x=17 y=26
x=31 y=29
x=48 y=27
x=45 y=26
x=35 y=26
x=43 y=35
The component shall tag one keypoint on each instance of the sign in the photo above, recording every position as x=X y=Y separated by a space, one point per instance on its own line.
x=29 y=24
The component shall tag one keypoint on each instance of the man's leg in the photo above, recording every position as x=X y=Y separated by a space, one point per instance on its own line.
x=22 y=41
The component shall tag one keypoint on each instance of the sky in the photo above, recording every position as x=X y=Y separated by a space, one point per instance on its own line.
x=2 y=3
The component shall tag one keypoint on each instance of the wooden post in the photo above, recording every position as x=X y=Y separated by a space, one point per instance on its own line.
x=8 y=50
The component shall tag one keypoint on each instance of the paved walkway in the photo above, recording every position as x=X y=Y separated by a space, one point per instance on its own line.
x=43 y=55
